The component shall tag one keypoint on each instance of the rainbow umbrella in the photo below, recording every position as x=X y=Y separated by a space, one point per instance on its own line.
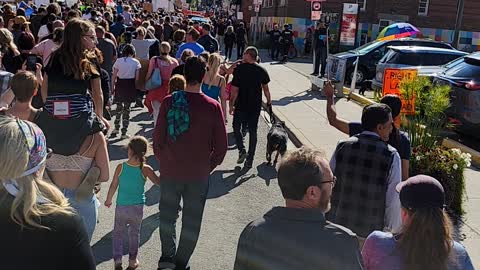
x=398 y=30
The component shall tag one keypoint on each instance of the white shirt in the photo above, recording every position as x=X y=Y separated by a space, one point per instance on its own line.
x=43 y=32
x=393 y=220
x=127 y=67
x=142 y=47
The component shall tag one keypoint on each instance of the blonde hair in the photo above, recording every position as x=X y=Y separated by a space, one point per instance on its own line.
x=214 y=62
x=25 y=210
x=165 y=52
x=142 y=31
x=6 y=41
x=176 y=83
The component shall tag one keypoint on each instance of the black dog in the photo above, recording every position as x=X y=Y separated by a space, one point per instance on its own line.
x=277 y=139
x=364 y=86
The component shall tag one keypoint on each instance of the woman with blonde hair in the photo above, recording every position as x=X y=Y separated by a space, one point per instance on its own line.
x=214 y=84
x=34 y=214
x=165 y=63
x=425 y=241
x=8 y=49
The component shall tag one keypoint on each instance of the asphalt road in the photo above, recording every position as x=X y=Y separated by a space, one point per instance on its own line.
x=235 y=198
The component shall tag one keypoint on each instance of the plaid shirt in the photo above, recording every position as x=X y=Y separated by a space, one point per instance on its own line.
x=177 y=117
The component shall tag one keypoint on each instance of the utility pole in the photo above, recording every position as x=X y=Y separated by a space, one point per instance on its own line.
x=458 y=23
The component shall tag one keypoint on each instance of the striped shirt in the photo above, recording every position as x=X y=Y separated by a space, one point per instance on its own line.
x=77 y=103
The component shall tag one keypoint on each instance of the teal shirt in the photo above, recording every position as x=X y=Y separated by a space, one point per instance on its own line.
x=131 y=185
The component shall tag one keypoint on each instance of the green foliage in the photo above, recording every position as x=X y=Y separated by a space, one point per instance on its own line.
x=425 y=126
x=424 y=130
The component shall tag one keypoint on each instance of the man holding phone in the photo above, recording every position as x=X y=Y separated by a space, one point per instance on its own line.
x=320 y=39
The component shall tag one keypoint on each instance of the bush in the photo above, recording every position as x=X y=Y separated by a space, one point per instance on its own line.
x=424 y=130
x=447 y=166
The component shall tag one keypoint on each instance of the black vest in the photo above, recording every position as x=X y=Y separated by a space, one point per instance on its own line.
x=363 y=165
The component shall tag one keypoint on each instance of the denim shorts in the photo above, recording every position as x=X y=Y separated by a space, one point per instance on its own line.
x=87 y=209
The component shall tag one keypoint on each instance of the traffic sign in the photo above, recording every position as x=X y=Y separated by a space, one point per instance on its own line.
x=316 y=10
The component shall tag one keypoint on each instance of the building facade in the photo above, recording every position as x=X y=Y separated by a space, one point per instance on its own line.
x=435 y=18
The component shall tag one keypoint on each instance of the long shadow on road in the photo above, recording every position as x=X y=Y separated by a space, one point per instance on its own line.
x=103 y=248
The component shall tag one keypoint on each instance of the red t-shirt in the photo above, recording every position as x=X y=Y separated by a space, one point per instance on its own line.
x=197 y=151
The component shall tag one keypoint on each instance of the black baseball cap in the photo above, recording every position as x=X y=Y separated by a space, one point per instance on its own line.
x=421 y=191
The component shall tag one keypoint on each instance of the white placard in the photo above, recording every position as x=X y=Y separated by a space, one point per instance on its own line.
x=240 y=15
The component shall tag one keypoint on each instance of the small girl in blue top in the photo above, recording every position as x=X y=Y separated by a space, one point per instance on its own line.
x=130 y=178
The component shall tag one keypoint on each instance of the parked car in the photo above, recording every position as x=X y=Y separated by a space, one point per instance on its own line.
x=426 y=60
x=372 y=52
x=464 y=78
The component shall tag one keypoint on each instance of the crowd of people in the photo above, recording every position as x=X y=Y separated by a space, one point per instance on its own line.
x=68 y=71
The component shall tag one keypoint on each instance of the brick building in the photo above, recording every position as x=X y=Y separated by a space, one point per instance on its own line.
x=435 y=18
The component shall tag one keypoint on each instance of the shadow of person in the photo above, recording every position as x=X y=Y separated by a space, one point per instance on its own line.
x=220 y=185
x=152 y=196
x=102 y=250
x=267 y=172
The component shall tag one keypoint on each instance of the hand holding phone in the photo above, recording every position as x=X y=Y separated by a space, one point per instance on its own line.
x=31 y=63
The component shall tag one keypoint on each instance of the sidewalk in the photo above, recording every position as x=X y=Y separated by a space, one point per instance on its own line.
x=304 y=113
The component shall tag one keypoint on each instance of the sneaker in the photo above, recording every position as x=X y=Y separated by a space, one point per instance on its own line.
x=166 y=266
x=249 y=163
x=241 y=157
x=314 y=74
x=85 y=190
x=118 y=266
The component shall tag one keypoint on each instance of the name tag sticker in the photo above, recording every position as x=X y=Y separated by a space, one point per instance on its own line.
x=61 y=108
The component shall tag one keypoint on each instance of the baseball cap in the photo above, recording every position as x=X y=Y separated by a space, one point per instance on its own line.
x=21 y=20
x=421 y=191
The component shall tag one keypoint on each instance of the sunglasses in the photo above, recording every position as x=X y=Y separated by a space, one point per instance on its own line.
x=333 y=181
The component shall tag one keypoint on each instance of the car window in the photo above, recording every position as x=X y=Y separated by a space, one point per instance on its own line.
x=402 y=58
x=368 y=47
x=388 y=56
x=438 y=59
x=430 y=44
x=453 y=63
x=469 y=69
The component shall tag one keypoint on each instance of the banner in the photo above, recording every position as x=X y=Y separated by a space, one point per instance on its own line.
x=348 y=29
x=391 y=85
x=336 y=69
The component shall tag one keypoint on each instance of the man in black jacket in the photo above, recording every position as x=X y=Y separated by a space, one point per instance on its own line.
x=297 y=236
x=320 y=39
x=207 y=41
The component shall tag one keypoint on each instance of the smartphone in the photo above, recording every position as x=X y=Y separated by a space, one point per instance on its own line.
x=32 y=63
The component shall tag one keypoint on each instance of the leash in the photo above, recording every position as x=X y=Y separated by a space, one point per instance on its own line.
x=269 y=110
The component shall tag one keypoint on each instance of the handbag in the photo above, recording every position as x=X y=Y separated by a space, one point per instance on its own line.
x=155 y=80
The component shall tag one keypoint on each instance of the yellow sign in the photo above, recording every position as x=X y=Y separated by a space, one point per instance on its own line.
x=391 y=84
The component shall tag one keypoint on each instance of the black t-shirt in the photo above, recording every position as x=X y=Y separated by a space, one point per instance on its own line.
x=404 y=144
x=178 y=70
x=287 y=36
x=209 y=43
x=275 y=35
x=241 y=34
x=320 y=37
x=60 y=83
x=64 y=246
x=221 y=29
x=249 y=78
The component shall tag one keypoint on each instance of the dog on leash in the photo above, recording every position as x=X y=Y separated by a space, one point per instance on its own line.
x=277 y=139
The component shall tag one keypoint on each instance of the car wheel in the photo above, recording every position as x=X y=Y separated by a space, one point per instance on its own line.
x=361 y=75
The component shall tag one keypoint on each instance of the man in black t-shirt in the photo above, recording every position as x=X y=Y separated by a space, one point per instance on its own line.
x=249 y=81
x=275 y=35
x=287 y=41
x=209 y=43
x=320 y=38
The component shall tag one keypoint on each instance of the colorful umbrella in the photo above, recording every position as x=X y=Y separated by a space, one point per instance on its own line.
x=398 y=30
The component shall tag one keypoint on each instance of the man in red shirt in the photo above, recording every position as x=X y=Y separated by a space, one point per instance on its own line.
x=189 y=140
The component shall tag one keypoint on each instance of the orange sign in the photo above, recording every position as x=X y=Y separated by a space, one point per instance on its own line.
x=391 y=84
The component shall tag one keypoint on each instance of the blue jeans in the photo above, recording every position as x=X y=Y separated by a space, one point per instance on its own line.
x=194 y=196
x=87 y=209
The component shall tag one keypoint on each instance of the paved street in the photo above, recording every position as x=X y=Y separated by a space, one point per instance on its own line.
x=235 y=198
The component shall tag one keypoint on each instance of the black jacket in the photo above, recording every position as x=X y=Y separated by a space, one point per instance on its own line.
x=289 y=238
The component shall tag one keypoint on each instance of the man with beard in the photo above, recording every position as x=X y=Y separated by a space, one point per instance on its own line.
x=297 y=236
